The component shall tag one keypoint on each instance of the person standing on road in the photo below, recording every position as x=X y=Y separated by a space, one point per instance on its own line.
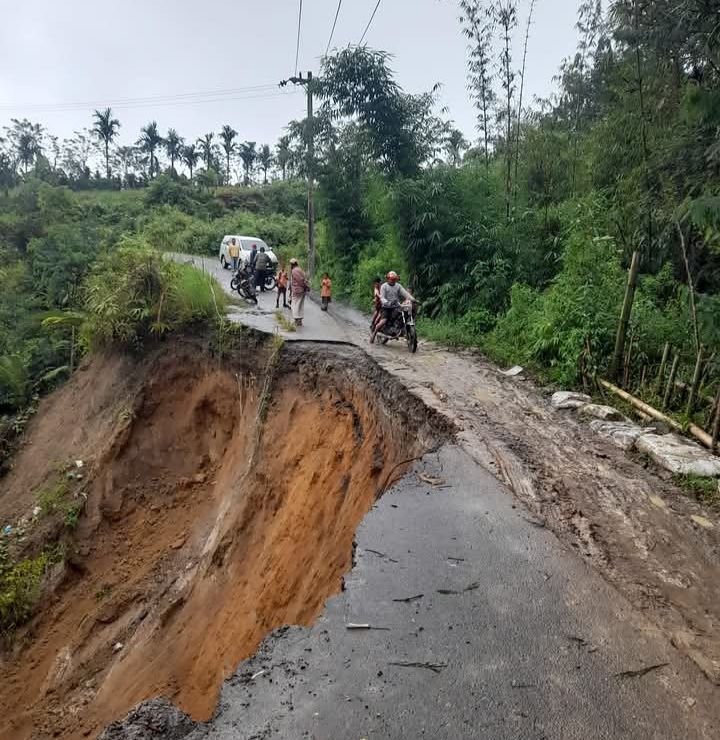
x=262 y=263
x=326 y=291
x=282 y=281
x=251 y=264
x=234 y=252
x=298 y=289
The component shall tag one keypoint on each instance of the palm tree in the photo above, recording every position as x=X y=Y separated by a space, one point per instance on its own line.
x=173 y=148
x=265 y=158
x=206 y=148
x=190 y=156
x=25 y=139
x=248 y=154
x=27 y=149
x=283 y=154
x=149 y=141
x=106 y=129
x=228 y=135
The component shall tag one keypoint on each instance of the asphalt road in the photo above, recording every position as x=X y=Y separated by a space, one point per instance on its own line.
x=483 y=626
x=318 y=325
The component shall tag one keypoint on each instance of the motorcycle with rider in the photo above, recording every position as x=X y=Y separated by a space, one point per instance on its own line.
x=398 y=310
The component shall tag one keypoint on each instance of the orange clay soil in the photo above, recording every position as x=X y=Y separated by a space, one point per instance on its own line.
x=204 y=530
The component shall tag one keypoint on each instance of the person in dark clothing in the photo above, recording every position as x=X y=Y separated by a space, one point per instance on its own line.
x=251 y=264
x=262 y=263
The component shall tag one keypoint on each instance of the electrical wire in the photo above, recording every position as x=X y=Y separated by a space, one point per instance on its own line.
x=297 y=47
x=156 y=103
x=151 y=99
x=332 y=33
x=367 y=28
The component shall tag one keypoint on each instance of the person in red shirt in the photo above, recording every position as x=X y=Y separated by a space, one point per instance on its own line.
x=325 y=291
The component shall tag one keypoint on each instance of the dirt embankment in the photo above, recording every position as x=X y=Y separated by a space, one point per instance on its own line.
x=222 y=503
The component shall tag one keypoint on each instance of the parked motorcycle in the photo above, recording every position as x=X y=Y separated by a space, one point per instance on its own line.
x=270 y=278
x=244 y=284
x=401 y=326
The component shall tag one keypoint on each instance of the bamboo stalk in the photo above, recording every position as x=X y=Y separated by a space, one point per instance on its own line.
x=691 y=288
x=642 y=377
x=663 y=363
x=671 y=382
x=716 y=424
x=713 y=408
x=625 y=316
x=697 y=375
x=628 y=361
x=700 y=434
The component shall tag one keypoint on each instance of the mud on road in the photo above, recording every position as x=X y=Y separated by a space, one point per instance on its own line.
x=621 y=514
x=223 y=497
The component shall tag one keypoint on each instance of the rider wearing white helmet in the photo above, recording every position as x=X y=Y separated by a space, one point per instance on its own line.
x=391 y=295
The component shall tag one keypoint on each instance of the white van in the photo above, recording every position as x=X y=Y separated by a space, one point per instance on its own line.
x=245 y=243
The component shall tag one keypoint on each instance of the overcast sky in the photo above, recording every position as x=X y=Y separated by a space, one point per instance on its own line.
x=61 y=58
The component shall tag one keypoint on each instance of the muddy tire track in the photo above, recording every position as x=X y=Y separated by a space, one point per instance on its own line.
x=623 y=516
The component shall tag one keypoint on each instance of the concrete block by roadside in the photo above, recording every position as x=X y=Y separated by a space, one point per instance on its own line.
x=678 y=455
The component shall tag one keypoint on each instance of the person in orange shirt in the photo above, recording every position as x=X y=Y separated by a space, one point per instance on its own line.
x=282 y=283
x=325 y=291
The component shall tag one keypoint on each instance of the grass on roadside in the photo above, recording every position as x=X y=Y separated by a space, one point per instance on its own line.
x=137 y=294
x=284 y=322
x=705 y=490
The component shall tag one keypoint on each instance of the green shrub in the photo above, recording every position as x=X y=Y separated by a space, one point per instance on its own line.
x=513 y=334
x=20 y=584
x=137 y=293
x=58 y=499
x=375 y=261
x=52 y=498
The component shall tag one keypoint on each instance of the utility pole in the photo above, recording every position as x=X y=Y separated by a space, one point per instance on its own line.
x=309 y=165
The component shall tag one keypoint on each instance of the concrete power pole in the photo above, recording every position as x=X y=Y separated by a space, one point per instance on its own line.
x=309 y=165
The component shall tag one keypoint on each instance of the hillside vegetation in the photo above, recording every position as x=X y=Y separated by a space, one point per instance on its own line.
x=519 y=244
x=79 y=270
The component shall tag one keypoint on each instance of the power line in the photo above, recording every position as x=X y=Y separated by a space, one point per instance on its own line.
x=152 y=104
x=297 y=47
x=367 y=28
x=151 y=99
x=337 y=13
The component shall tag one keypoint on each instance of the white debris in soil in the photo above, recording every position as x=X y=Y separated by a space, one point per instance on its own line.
x=569 y=400
x=702 y=521
x=606 y=413
x=621 y=433
x=678 y=455
x=513 y=371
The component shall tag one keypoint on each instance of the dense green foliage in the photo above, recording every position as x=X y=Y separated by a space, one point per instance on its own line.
x=523 y=246
x=519 y=244
x=81 y=269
